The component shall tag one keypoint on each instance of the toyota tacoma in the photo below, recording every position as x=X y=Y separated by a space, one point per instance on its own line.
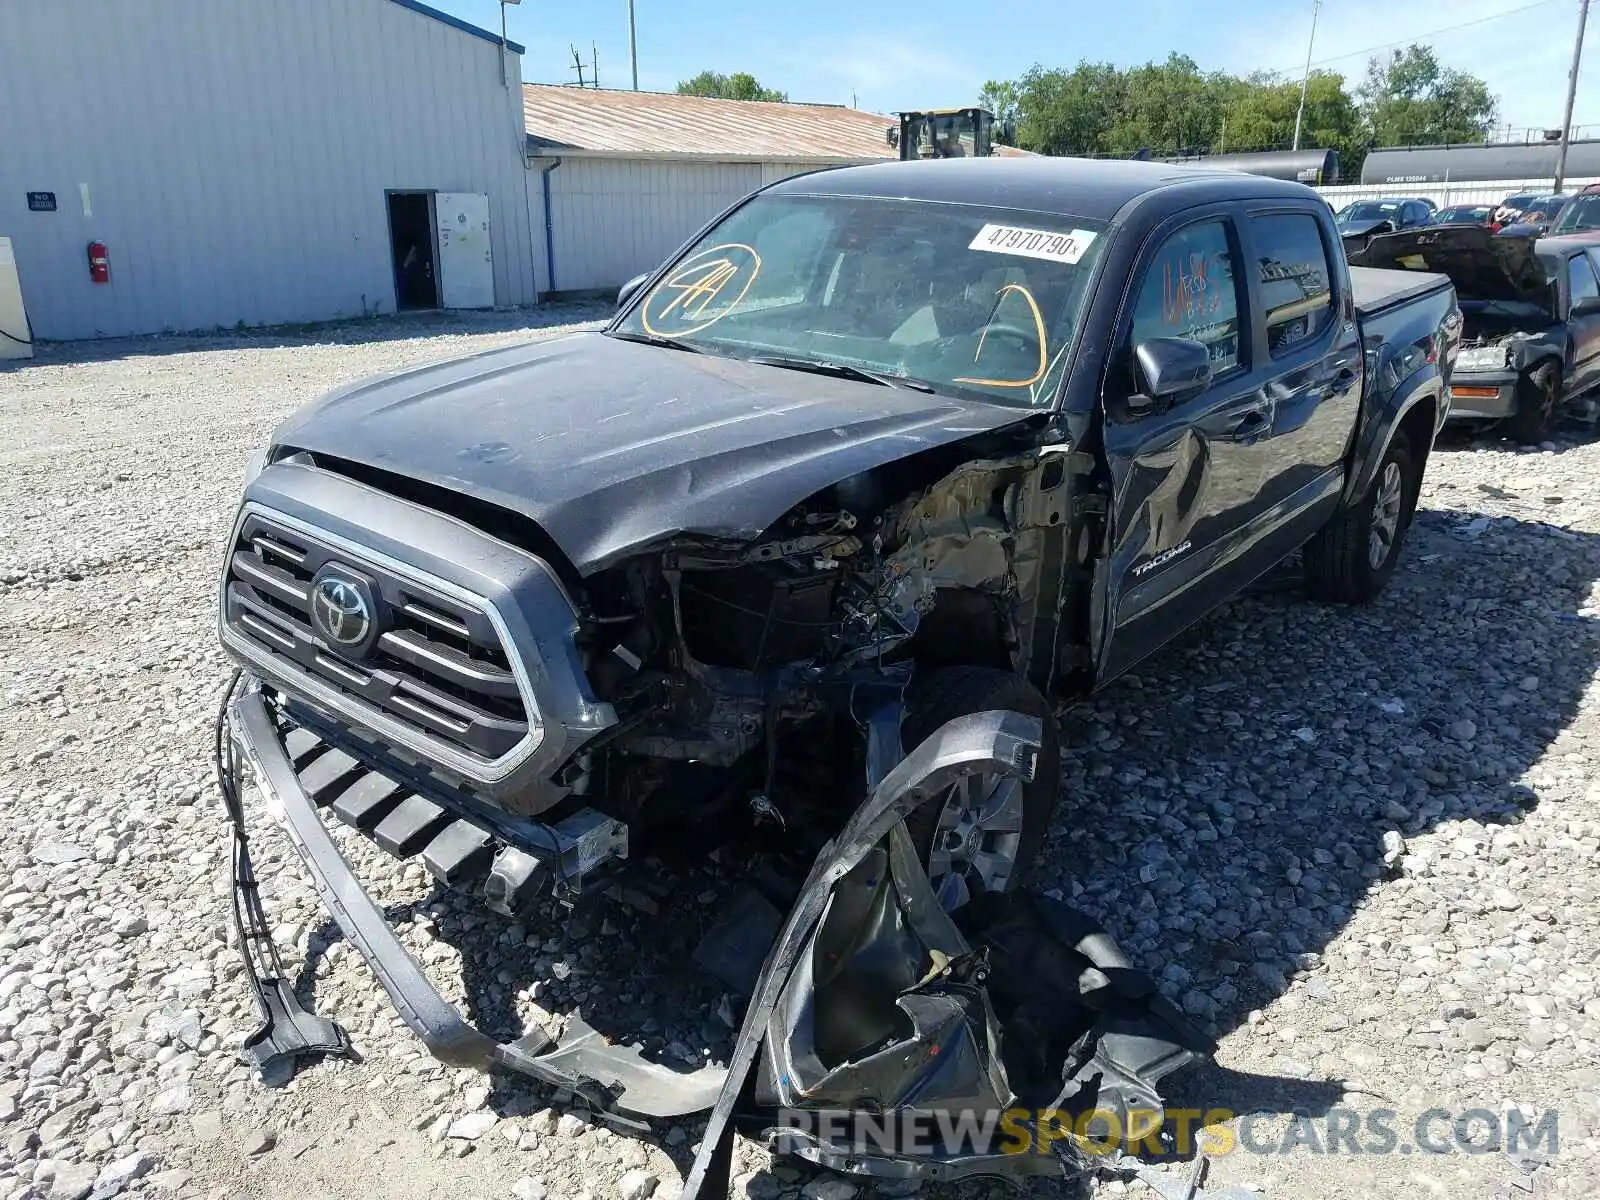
x=809 y=540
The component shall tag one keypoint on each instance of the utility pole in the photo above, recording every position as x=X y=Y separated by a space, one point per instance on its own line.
x=504 y=82
x=1572 y=94
x=633 y=51
x=1305 y=80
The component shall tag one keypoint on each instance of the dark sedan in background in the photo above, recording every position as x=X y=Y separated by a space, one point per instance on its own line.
x=1361 y=221
x=1465 y=214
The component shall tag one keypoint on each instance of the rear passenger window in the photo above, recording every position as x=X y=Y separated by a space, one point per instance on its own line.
x=1191 y=291
x=1292 y=267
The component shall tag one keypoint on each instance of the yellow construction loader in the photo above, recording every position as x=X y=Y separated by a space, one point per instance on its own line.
x=948 y=133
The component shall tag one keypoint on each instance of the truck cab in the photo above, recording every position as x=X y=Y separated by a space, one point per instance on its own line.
x=948 y=133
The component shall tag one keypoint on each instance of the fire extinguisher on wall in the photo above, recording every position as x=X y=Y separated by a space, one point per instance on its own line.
x=99 y=263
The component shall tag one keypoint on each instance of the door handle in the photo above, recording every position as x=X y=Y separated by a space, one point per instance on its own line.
x=1252 y=427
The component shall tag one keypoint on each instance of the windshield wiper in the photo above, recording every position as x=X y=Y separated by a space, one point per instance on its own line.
x=842 y=371
x=656 y=339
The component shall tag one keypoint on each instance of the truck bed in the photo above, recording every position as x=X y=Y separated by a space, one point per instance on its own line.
x=1376 y=289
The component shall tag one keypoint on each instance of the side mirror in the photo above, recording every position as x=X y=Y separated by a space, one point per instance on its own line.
x=1589 y=306
x=1168 y=369
x=627 y=290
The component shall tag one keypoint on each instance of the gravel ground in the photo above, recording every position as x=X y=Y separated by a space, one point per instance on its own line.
x=1360 y=846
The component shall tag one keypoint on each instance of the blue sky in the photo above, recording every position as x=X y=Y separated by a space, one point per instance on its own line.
x=897 y=54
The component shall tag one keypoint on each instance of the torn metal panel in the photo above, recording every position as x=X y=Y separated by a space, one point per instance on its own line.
x=1002 y=742
x=874 y=1001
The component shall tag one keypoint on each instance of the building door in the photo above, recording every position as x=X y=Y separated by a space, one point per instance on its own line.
x=411 y=245
x=466 y=264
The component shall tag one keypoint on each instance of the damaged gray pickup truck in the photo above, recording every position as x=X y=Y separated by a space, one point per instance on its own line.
x=1530 y=341
x=801 y=546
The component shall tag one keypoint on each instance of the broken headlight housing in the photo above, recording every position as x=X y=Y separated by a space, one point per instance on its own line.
x=1483 y=358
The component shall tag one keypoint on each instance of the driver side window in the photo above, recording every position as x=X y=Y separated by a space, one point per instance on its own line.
x=1581 y=280
x=1191 y=291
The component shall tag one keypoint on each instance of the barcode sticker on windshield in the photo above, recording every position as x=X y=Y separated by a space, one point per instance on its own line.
x=1033 y=243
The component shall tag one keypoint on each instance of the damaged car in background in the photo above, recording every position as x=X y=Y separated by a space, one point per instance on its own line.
x=1362 y=220
x=1530 y=351
x=801 y=549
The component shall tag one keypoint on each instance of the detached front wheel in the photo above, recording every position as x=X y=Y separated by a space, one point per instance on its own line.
x=983 y=833
x=1350 y=559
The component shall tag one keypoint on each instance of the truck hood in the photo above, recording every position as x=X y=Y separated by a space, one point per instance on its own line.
x=1481 y=265
x=612 y=445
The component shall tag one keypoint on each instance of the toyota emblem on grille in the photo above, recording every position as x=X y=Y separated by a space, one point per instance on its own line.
x=341 y=609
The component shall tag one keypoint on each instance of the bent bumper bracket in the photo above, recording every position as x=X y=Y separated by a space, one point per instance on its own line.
x=287 y=1032
x=613 y=1080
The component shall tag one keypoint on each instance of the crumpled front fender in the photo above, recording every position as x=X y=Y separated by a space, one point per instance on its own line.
x=874 y=1002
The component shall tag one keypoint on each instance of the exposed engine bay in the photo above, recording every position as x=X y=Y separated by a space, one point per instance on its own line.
x=719 y=656
x=1506 y=337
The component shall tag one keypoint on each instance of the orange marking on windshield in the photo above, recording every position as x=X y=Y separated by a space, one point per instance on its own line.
x=696 y=286
x=1038 y=324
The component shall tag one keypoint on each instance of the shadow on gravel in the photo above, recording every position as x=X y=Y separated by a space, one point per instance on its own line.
x=1226 y=809
x=354 y=332
x=1237 y=798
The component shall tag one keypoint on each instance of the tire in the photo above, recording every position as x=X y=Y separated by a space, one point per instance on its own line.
x=957 y=873
x=1538 y=398
x=1350 y=559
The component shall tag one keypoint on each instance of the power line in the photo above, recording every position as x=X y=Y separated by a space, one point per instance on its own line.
x=1415 y=37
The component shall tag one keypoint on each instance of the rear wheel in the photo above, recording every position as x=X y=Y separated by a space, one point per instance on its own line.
x=1538 y=397
x=983 y=833
x=1351 y=558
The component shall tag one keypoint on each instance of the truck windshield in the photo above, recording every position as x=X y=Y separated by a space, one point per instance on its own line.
x=960 y=300
x=1581 y=212
x=1370 y=210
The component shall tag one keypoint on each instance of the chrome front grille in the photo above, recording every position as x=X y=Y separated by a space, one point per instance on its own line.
x=433 y=661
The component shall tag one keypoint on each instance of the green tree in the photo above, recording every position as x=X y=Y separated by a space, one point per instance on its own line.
x=1411 y=98
x=739 y=86
x=1002 y=98
x=1069 y=112
x=1260 y=109
x=1169 y=107
x=1174 y=107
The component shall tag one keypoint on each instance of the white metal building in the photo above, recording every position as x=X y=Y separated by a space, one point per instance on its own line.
x=258 y=162
x=630 y=176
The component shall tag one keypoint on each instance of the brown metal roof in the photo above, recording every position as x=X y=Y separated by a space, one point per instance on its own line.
x=631 y=124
